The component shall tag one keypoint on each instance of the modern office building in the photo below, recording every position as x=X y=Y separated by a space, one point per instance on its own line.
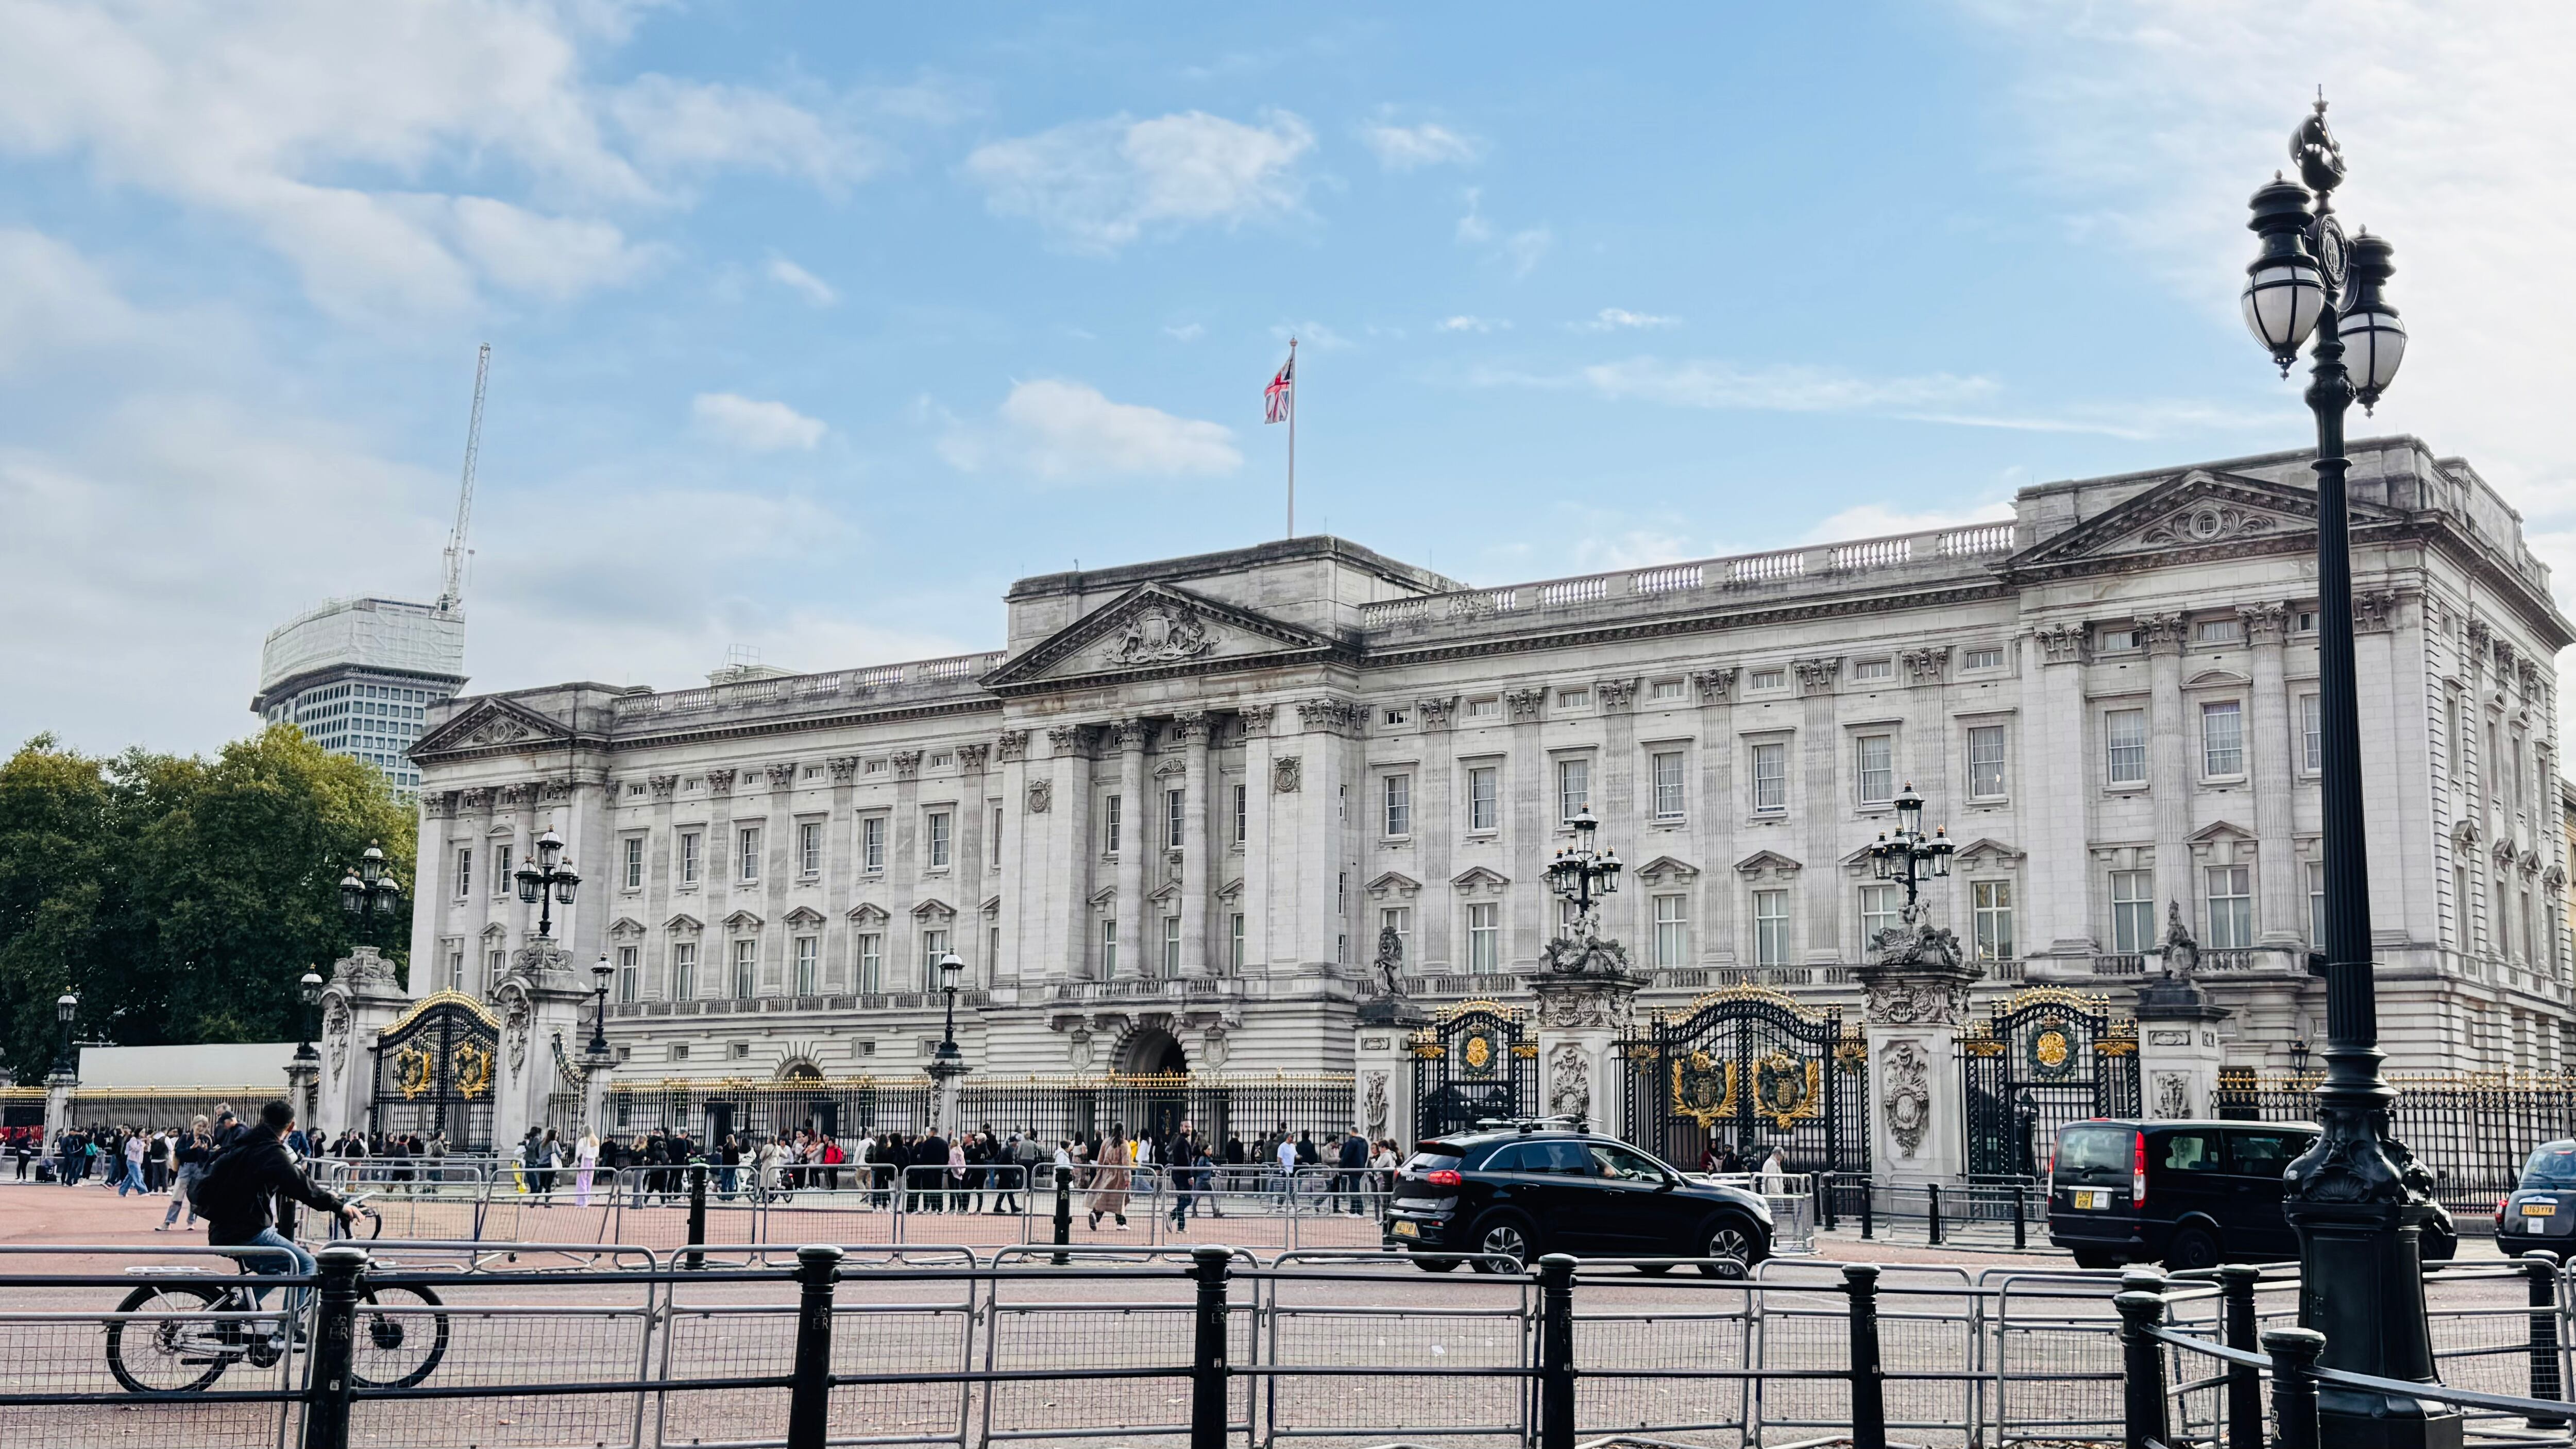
x=359 y=677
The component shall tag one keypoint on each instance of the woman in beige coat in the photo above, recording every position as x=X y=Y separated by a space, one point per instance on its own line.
x=1110 y=1180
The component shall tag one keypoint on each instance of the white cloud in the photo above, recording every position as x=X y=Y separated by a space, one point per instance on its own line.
x=1185 y=332
x=1406 y=148
x=1466 y=323
x=1523 y=249
x=1634 y=548
x=1096 y=186
x=761 y=427
x=1616 y=319
x=52 y=300
x=1063 y=431
x=1778 y=387
x=316 y=127
x=1473 y=229
x=1311 y=334
x=795 y=278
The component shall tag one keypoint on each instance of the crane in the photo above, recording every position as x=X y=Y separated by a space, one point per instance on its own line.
x=454 y=593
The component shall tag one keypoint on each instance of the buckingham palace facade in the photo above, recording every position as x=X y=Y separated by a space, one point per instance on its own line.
x=1168 y=824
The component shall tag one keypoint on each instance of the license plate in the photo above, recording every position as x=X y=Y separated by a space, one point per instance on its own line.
x=2092 y=1199
x=2540 y=1209
x=1407 y=1230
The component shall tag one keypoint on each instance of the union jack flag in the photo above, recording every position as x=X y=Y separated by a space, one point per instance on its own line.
x=1282 y=392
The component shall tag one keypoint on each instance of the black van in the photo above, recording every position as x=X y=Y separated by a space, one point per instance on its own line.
x=2191 y=1193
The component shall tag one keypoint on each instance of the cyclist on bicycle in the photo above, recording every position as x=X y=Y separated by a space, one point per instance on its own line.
x=238 y=1194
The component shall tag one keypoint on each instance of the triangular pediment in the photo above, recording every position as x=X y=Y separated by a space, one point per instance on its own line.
x=1988 y=851
x=743 y=921
x=868 y=915
x=2217 y=676
x=1477 y=877
x=2194 y=513
x=933 y=909
x=492 y=722
x=1231 y=891
x=1169 y=890
x=2221 y=830
x=1393 y=882
x=1767 y=860
x=625 y=927
x=1156 y=629
x=684 y=922
x=1666 y=867
x=804 y=916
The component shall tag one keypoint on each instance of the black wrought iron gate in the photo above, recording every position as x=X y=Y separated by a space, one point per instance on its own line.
x=1474 y=1061
x=435 y=1069
x=1744 y=1070
x=2042 y=1058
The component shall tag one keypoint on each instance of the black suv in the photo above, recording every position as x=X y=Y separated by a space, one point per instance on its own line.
x=1512 y=1193
x=2189 y=1193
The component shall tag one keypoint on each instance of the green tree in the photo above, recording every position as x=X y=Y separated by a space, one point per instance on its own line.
x=182 y=898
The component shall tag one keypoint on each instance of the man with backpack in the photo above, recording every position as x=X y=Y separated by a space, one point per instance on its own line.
x=238 y=1194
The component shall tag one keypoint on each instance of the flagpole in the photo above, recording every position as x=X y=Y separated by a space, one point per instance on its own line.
x=1292 y=437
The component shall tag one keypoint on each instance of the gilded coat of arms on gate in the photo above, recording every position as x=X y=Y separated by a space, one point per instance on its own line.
x=1478 y=1054
x=1787 y=1090
x=1703 y=1089
x=411 y=1070
x=471 y=1068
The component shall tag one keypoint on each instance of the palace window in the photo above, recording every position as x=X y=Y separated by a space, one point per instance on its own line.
x=1770 y=928
x=872 y=841
x=1242 y=814
x=1672 y=930
x=997 y=837
x=1398 y=919
x=934 y=944
x=627 y=973
x=747 y=849
x=1484 y=797
x=871 y=963
x=938 y=822
x=634 y=864
x=1488 y=707
x=1991 y=900
x=1877 y=769
x=809 y=848
x=1665 y=689
x=456 y=970
x=2124 y=732
x=2220 y=631
x=1175 y=811
x=1108 y=949
x=808 y=960
x=1171 y=945
x=1873 y=669
x=684 y=971
x=2133 y=911
x=1878 y=912
x=1399 y=805
x=465 y=871
x=2312 y=734
x=1670 y=792
x=1573 y=787
x=1767 y=679
x=1771 y=779
x=2317 y=904
x=1982 y=659
x=2222 y=738
x=1110 y=823
x=2231 y=906
x=746 y=969
x=688 y=857
x=1484 y=937
x=1985 y=762
x=500 y=870
x=1234 y=929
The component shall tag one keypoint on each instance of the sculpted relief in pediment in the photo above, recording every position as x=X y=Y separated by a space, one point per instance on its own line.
x=1162 y=632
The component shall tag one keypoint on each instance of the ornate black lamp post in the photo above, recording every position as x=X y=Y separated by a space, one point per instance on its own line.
x=369 y=895
x=1583 y=875
x=599 y=1022
x=951 y=972
x=308 y=990
x=66 y=1010
x=549 y=880
x=1908 y=856
x=2356 y=1198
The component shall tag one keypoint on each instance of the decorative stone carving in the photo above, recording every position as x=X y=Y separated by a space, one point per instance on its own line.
x=2172 y=1095
x=1373 y=1109
x=1569 y=1090
x=1010 y=746
x=1917 y=1001
x=1925 y=666
x=1329 y=716
x=500 y=729
x=2209 y=522
x=1192 y=726
x=335 y=1033
x=1915 y=941
x=662 y=786
x=970 y=758
x=2160 y=633
x=1714 y=685
x=2264 y=623
x=515 y=795
x=514 y=1026
x=907 y=764
x=1524 y=703
x=780 y=775
x=1130 y=734
x=554 y=791
x=1041 y=795
x=1063 y=740
x=1438 y=711
x=438 y=804
x=1256 y=718
x=844 y=768
x=1162 y=632
x=2375 y=613
x=719 y=782
x=1390 y=961
x=1616 y=693
x=1816 y=676
x=2481 y=634
x=478 y=798
x=1584 y=956
x=1579 y=1010
x=2182 y=953
x=1907 y=1097
x=2063 y=643
x=1287 y=775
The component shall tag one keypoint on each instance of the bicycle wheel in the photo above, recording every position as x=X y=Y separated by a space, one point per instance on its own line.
x=401 y=1336
x=174 y=1355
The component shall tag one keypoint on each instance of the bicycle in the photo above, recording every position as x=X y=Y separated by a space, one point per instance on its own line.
x=191 y=1332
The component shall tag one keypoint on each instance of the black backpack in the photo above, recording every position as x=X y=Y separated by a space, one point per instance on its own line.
x=220 y=1195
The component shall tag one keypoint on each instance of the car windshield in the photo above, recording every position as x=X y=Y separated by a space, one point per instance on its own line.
x=2553 y=1166
x=2096 y=1149
x=1427 y=1161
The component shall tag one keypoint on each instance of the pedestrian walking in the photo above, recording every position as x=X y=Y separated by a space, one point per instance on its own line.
x=1110 y=1180
x=195 y=1150
x=585 y=1162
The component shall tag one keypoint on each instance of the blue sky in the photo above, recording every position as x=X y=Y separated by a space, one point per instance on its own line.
x=814 y=327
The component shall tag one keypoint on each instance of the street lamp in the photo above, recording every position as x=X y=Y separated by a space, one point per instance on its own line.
x=369 y=892
x=309 y=991
x=1582 y=875
x=1908 y=856
x=550 y=880
x=599 y=1023
x=2356 y=1198
x=951 y=971
x=66 y=1007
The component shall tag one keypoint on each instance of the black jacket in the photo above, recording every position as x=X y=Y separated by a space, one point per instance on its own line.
x=238 y=1195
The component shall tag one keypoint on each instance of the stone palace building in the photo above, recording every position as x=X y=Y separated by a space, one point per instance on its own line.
x=1166 y=826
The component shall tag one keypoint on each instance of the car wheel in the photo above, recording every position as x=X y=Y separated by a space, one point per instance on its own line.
x=2191 y=1248
x=2088 y=1258
x=1505 y=1237
x=1730 y=1244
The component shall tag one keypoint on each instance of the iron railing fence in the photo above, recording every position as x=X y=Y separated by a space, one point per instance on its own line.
x=452 y=1344
x=1990 y=1211
x=2471 y=1131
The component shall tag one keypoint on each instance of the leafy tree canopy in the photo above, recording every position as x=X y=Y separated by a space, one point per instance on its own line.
x=181 y=898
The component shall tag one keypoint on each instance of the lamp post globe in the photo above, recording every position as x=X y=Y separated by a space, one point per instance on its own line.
x=547 y=881
x=66 y=1009
x=599 y=974
x=951 y=972
x=2357 y=1199
x=308 y=992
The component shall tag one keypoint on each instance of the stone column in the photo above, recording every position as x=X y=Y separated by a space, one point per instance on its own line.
x=1586 y=1003
x=1715 y=815
x=1135 y=843
x=1064 y=798
x=596 y=1071
x=540 y=1001
x=304 y=1088
x=2170 y=743
x=1820 y=750
x=947 y=1078
x=1382 y=1077
x=1261 y=874
x=359 y=1001
x=59 y=1087
x=2057 y=803
x=1915 y=1001
x=1197 y=860
x=2281 y=916
x=2177 y=1047
x=971 y=865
